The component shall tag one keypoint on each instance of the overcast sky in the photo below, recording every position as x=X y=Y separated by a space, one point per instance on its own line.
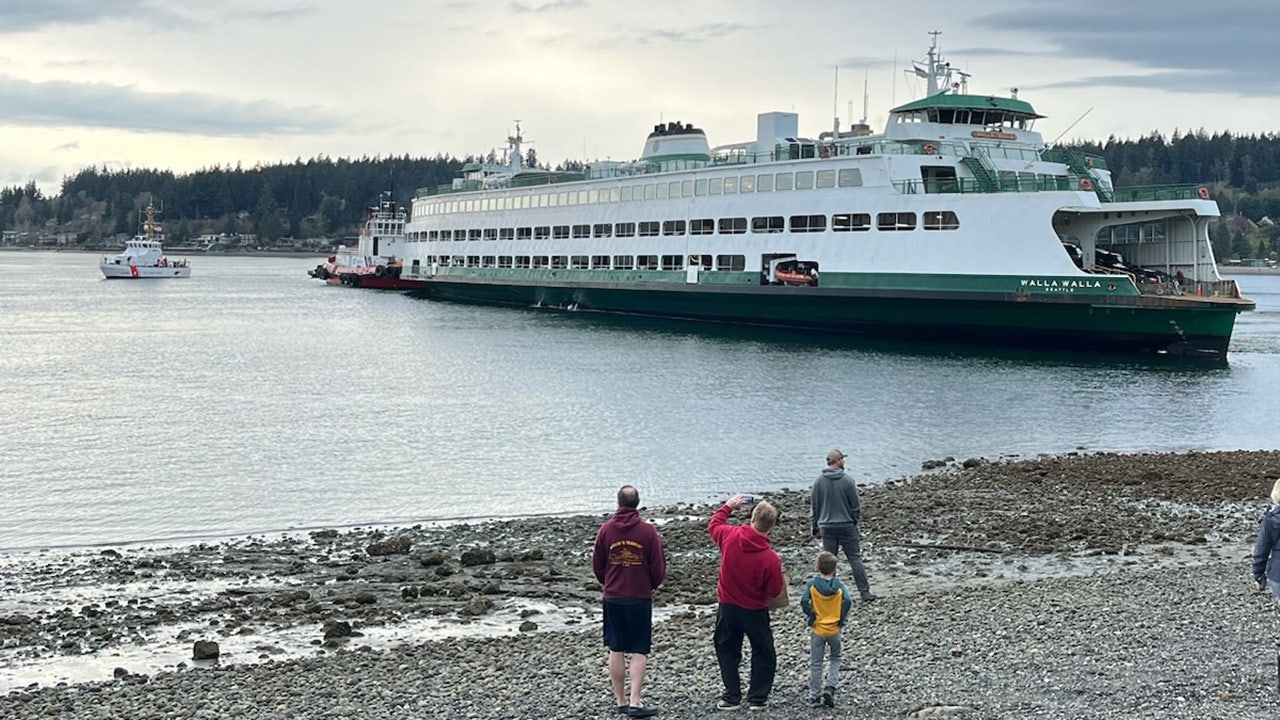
x=186 y=84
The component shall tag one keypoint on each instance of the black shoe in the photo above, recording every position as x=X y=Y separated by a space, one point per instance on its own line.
x=756 y=705
x=624 y=709
x=815 y=702
x=642 y=711
x=829 y=697
x=870 y=598
x=728 y=704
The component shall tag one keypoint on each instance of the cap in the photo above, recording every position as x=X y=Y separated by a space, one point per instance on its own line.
x=834 y=455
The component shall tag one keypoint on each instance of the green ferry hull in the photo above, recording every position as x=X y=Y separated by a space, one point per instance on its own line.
x=1088 y=323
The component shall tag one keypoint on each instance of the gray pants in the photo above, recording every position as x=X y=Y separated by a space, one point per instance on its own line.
x=836 y=537
x=819 y=647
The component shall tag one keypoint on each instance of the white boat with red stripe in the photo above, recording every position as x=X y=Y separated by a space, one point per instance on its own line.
x=143 y=257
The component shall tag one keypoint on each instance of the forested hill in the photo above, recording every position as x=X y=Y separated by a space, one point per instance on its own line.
x=327 y=198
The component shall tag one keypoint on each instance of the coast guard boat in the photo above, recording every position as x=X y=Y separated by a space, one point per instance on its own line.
x=957 y=223
x=143 y=256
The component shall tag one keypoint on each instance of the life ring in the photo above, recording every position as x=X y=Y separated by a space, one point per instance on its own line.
x=1086 y=185
x=930 y=149
x=1204 y=193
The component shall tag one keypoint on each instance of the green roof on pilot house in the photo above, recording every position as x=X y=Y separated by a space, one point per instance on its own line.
x=970 y=102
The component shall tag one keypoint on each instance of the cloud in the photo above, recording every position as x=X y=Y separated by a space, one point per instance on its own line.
x=696 y=34
x=1218 y=48
x=555 y=6
x=21 y=16
x=68 y=147
x=293 y=13
x=100 y=105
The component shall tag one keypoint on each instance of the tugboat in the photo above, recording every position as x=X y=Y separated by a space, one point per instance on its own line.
x=143 y=257
x=374 y=262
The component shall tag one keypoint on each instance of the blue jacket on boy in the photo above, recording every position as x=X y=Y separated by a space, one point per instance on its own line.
x=825 y=602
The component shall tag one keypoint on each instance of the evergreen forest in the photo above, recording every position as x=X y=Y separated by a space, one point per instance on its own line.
x=326 y=198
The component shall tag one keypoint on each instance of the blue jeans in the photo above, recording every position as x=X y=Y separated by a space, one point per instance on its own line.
x=818 y=647
x=835 y=537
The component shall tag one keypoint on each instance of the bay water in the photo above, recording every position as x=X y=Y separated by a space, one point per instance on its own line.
x=253 y=399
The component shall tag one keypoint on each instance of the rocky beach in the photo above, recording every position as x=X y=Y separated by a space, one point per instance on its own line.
x=1088 y=585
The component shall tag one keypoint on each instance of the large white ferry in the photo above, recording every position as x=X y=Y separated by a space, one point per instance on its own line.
x=958 y=222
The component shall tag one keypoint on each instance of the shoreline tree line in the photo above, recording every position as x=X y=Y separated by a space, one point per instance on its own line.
x=326 y=198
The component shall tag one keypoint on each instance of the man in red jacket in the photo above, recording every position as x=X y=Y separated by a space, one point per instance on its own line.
x=628 y=560
x=750 y=574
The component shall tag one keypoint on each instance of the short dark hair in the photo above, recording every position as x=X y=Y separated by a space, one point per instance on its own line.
x=826 y=563
x=628 y=497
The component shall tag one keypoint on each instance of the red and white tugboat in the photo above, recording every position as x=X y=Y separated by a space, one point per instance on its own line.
x=143 y=257
x=375 y=261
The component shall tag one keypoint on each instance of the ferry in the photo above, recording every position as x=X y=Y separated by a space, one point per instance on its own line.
x=376 y=260
x=143 y=256
x=957 y=223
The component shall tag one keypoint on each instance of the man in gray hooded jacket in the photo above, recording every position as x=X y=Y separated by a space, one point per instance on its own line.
x=836 y=512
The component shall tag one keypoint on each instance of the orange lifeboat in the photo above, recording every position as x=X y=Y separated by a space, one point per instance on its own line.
x=792 y=277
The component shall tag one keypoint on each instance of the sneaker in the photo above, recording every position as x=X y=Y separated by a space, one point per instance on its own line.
x=642 y=711
x=728 y=704
x=829 y=697
x=756 y=705
x=870 y=598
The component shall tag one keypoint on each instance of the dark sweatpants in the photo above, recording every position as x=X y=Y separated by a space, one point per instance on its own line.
x=732 y=623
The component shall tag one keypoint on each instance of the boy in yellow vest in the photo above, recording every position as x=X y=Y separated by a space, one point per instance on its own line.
x=825 y=601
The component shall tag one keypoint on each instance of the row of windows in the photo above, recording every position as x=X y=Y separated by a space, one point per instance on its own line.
x=763 y=182
x=840 y=222
x=593 y=262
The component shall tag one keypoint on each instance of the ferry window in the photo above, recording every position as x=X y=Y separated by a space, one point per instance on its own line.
x=613 y=194
x=551 y=199
x=599 y=262
x=490 y=233
x=672 y=262
x=560 y=232
x=542 y=232
x=581 y=231
x=764 y=183
x=593 y=196
x=700 y=187
x=637 y=192
x=506 y=233
x=459 y=235
x=623 y=262
x=524 y=202
x=962 y=117
x=851 y=222
x=733 y=226
x=601 y=230
x=458 y=261
x=782 y=181
x=808 y=223
x=473 y=234
x=767 y=224
x=649 y=228
x=570 y=199
x=524 y=233
x=826 y=179
x=804 y=180
x=627 y=229
x=662 y=191
x=747 y=183
x=541 y=261
x=506 y=203
x=673 y=227
x=561 y=199
x=504 y=261
x=473 y=261
x=522 y=262
x=940 y=220
x=578 y=262
x=896 y=221
x=559 y=262
x=433 y=235
x=626 y=193
x=488 y=261
x=703 y=261
x=686 y=188
x=716 y=186
x=650 y=192
x=731 y=262
x=702 y=226
x=673 y=189
x=850 y=177
x=730 y=185
x=646 y=262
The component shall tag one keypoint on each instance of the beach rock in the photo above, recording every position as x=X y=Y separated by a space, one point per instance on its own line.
x=205 y=650
x=528 y=626
x=477 y=606
x=394 y=546
x=932 y=464
x=431 y=559
x=477 y=556
x=336 y=629
x=324 y=534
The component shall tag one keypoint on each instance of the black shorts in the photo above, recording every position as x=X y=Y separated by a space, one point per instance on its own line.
x=628 y=625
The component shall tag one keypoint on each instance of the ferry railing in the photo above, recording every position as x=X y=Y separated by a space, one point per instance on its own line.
x=1159 y=192
x=1064 y=155
x=1039 y=183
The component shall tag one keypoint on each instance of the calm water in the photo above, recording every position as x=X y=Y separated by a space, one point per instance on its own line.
x=251 y=398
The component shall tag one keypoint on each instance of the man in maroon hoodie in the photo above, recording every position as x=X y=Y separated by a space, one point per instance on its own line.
x=750 y=574
x=628 y=560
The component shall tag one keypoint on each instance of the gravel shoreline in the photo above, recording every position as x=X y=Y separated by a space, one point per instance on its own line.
x=1096 y=585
